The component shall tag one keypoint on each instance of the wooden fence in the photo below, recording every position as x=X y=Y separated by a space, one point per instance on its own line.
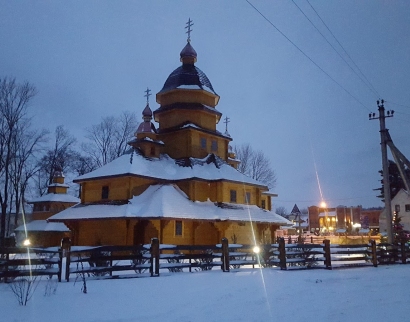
x=149 y=260
x=25 y=261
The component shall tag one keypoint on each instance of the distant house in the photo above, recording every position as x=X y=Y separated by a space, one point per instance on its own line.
x=178 y=181
x=400 y=205
x=39 y=231
x=342 y=219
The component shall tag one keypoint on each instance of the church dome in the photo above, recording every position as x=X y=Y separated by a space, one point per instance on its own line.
x=188 y=76
x=188 y=51
x=147 y=112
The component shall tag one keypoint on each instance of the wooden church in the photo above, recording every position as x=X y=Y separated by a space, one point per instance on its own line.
x=38 y=231
x=178 y=181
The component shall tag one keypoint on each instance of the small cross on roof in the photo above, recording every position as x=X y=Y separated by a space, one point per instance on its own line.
x=147 y=94
x=189 y=24
x=227 y=120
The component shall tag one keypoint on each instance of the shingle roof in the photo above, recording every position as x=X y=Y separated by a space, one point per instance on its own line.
x=188 y=76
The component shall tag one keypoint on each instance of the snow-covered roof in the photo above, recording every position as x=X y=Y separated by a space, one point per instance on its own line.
x=328 y=214
x=166 y=168
x=59 y=185
x=56 y=197
x=168 y=201
x=269 y=193
x=43 y=225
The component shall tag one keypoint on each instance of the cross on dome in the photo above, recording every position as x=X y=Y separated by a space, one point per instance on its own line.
x=189 y=24
x=148 y=94
x=226 y=121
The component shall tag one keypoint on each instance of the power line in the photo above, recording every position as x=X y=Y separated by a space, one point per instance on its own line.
x=390 y=102
x=313 y=62
x=370 y=87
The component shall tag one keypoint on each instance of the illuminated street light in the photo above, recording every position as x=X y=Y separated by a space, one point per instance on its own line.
x=256 y=250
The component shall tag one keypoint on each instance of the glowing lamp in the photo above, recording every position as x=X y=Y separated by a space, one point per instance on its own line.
x=256 y=249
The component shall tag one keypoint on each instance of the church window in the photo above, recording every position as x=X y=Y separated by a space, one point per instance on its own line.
x=233 y=195
x=407 y=208
x=247 y=197
x=104 y=192
x=263 y=204
x=178 y=227
x=203 y=143
x=214 y=145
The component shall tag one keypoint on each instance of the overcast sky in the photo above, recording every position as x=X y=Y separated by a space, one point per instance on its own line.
x=90 y=59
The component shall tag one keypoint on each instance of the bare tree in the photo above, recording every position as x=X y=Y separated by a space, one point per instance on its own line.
x=14 y=100
x=26 y=147
x=108 y=139
x=281 y=211
x=60 y=156
x=255 y=164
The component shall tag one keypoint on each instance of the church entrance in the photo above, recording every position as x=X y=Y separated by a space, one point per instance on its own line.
x=144 y=230
x=206 y=234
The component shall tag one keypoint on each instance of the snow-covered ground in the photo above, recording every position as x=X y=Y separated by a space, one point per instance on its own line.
x=357 y=294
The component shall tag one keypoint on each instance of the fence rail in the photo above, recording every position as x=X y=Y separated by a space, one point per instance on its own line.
x=25 y=261
x=150 y=259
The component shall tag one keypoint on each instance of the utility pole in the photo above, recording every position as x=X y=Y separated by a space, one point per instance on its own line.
x=384 y=136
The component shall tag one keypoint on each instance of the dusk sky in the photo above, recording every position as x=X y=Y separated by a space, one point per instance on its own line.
x=91 y=59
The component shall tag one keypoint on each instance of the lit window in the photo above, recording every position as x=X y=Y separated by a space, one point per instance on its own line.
x=233 y=196
x=214 y=145
x=203 y=143
x=178 y=227
x=104 y=192
x=407 y=208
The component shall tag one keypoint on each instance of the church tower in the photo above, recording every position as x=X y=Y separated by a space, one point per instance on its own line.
x=146 y=135
x=187 y=115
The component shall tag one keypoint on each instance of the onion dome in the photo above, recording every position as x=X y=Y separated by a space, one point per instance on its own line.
x=188 y=54
x=147 y=113
x=188 y=76
x=147 y=126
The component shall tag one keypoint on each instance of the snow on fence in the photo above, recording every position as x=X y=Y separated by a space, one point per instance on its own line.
x=151 y=259
x=26 y=261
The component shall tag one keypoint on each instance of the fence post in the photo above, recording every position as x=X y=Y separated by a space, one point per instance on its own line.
x=282 y=253
x=374 y=252
x=403 y=251
x=7 y=264
x=60 y=263
x=154 y=268
x=225 y=255
x=326 y=248
x=66 y=250
x=266 y=254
